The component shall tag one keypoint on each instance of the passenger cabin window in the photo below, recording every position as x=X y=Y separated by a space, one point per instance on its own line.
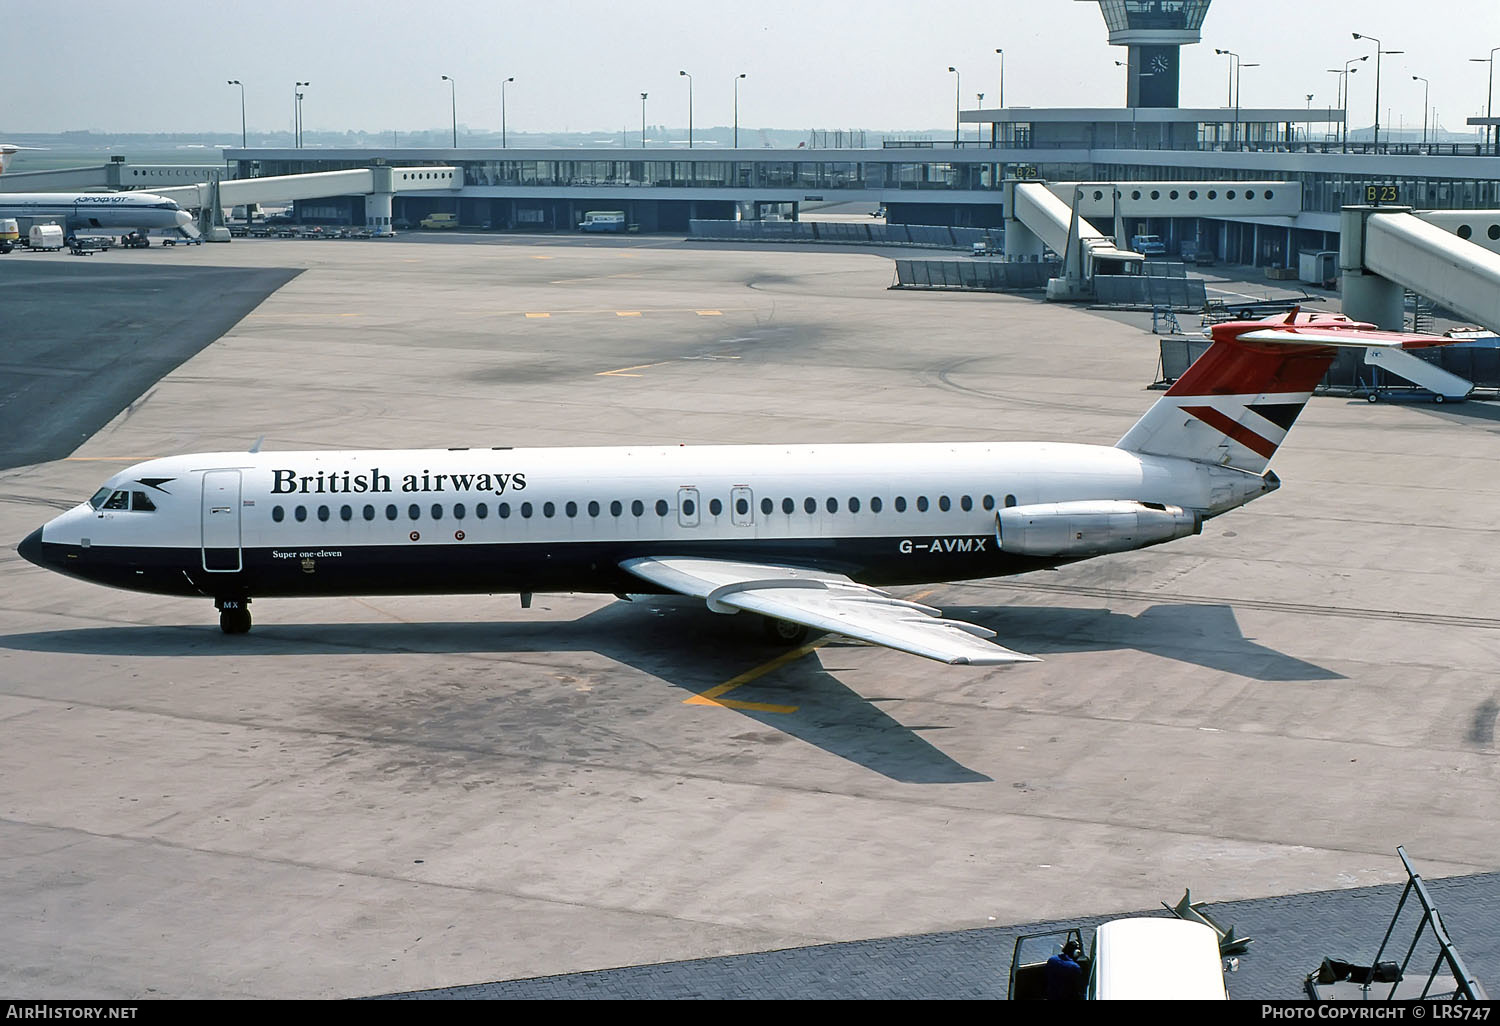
x=278 y=514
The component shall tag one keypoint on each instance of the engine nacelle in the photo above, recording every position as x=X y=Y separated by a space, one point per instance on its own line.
x=1091 y=528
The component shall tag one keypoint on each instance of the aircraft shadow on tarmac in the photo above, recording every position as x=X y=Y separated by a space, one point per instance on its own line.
x=695 y=651
x=1205 y=635
x=689 y=648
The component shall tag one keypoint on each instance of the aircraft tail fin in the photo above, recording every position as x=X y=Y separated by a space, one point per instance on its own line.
x=1234 y=406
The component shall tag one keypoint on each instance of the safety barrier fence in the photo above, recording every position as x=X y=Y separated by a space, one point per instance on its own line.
x=975 y=275
x=1150 y=290
x=1164 y=269
x=849 y=232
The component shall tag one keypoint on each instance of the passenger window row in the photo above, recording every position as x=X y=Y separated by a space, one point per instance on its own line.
x=548 y=510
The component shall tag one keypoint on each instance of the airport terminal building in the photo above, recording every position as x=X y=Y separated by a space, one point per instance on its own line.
x=933 y=183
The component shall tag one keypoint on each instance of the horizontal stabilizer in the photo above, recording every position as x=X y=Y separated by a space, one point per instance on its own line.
x=1349 y=338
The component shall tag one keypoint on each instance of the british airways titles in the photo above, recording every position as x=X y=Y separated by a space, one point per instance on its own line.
x=289 y=482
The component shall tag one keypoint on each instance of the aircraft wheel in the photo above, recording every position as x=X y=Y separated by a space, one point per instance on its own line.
x=785 y=632
x=234 y=620
x=1439 y=398
x=1373 y=397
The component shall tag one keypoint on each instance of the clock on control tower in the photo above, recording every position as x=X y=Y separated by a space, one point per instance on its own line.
x=1154 y=30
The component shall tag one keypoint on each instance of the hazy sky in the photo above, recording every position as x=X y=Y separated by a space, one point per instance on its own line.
x=153 y=66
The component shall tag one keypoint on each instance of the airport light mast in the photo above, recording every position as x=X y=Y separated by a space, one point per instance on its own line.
x=737 y=110
x=643 y=121
x=1489 y=92
x=685 y=75
x=1379 y=49
x=453 y=102
x=957 y=100
x=1426 y=88
x=503 y=82
x=297 y=113
x=237 y=82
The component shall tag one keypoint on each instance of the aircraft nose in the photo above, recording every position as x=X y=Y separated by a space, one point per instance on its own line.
x=31 y=548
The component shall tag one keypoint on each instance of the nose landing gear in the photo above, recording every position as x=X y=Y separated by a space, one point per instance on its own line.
x=234 y=615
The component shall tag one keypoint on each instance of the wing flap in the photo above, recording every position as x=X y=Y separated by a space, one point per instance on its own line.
x=826 y=602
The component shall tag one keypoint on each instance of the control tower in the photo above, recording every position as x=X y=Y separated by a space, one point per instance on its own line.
x=1154 y=30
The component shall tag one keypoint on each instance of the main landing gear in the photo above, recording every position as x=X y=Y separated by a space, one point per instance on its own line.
x=234 y=615
x=784 y=632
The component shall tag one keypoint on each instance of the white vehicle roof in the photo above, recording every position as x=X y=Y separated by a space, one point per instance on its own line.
x=1157 y=959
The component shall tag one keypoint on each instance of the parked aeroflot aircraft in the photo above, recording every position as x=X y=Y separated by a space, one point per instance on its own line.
x=804 y=535
x=80 y=211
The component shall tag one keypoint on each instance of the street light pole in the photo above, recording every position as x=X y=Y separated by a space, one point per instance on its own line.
x=643 y=121
x=957 y=92
x=503 y=83
x=1237 y=67
x=1489 y=94
x=1426 y=87
x=1229 y=99
x=297 y=114
x=1001 y=52
x=978 y=128
x=453 y=101
x=1378 y=51
x=737 y=110
x=685 y=75
x=235 y=81
x=1349 y=71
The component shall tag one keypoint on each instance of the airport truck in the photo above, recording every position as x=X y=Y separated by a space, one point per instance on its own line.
x=10 y=234
x=603 y=221
x=439 y=221
x=46 y=237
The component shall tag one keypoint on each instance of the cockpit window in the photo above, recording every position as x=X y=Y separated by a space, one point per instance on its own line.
x=117 y=500
x=141 y=501
x=98 y=499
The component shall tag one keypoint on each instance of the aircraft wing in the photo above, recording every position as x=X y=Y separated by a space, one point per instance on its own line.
x=825 y=602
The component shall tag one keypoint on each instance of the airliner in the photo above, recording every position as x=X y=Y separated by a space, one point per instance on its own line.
x=806 y=536
x=78 y=211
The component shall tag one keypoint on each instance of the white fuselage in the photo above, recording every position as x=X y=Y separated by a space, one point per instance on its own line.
x=495 y=520
x=83 y=210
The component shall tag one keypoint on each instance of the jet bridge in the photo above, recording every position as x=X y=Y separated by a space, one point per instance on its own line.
x=1061 y=216
x=1437 y=254
x=378 y=184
